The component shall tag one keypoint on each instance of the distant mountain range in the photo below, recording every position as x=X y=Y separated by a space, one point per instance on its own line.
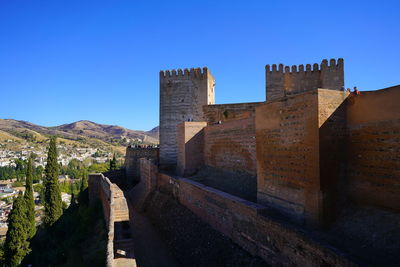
x=78 y=131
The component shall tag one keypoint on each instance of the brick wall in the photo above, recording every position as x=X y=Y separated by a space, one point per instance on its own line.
x=276 y=242
x=227 y=112
x=298 y=153
x=231 y=146
x=374 y=147
x=190 y=143
x=287 y=152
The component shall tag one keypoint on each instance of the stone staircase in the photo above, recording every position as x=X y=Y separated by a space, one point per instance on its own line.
x=121 y=215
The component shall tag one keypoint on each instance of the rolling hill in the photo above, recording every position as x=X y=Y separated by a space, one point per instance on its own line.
x=81 y=131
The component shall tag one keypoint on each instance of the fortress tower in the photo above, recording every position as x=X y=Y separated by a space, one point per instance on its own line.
x=182 y=96
x=286 y=80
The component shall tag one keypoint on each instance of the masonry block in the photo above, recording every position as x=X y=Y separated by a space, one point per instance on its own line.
x=373 y=148
x=190 y=142
x=300 y=151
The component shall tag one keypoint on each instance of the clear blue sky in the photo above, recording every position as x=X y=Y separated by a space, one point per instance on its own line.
x=62 y=61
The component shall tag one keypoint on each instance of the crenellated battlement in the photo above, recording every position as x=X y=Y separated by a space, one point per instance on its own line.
x=332 y=66
x=192 y=72
x=287 y=80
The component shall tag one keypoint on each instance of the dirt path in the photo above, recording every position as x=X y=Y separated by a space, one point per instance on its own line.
x=150 y=249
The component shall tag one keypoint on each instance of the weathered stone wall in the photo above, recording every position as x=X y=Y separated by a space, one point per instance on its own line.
x=115 y=210
x=227 y=112
x=190 y=142
x=100 y=188
x=275 y=242
x=147 y=183
x=132 y=163
x=373 y=149
x=182 y=96
x=296 y=136
x=332 y=150
x=285 y=80
x=242 y=221
x=231 y=146
x=287 y=152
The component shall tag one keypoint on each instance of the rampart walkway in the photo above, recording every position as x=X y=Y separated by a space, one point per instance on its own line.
x=133 y=241
x=150 y=250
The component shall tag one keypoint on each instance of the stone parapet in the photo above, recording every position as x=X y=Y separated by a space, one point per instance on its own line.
x=115 y=210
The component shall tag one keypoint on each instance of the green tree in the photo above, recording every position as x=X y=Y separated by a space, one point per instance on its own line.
x=20 y=166
x=53 y=204
x=30 y=204
x=113 y=163
x=38 y=174
x=16 y=245
x=84 y=181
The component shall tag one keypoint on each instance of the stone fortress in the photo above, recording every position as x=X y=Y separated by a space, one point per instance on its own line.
x=302 y=178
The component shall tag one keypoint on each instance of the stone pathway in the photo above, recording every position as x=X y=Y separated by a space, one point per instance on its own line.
x=150 y=249
x=124 y=262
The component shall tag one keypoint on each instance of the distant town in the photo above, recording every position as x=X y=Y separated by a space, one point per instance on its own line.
x=66 y=154
x=9 y=188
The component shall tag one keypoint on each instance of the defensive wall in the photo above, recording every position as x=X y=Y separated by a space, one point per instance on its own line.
x=373 y=148
x=304 y=165
x=227 y=112
x=116 y=215
x=148 y=172
x=308 y=151
x=300 y=150
x=132 y=156
x=227 y=146
x=313 y=153
x=248 y=224
x=221 y=155
x=231 y=146
x=190 y=143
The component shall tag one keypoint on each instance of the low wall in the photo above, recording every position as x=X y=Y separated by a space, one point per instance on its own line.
x=227 y=112
x=231 y=146
x=250 y=226
x=373 y=120
x=240 y=220
x=100 y=188
x=114 y=206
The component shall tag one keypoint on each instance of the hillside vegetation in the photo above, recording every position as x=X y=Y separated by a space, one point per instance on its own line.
x=78 y=131
x=21 y=135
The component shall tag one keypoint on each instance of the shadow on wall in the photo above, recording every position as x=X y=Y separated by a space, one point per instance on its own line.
x=373 y=149
x=240 y=184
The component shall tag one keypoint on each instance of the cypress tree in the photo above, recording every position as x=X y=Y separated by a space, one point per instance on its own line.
x=113 y=163
x=16 y=245
x=53 y=203
x=73 y=197
x=28 y=197
x=84 y=181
